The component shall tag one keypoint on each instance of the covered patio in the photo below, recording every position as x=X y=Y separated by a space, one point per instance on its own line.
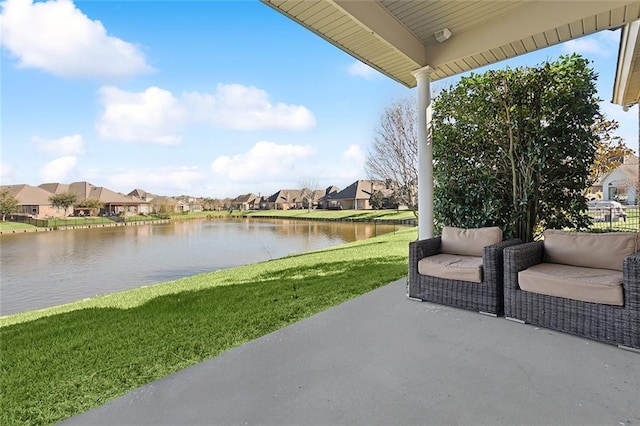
x=382 y=360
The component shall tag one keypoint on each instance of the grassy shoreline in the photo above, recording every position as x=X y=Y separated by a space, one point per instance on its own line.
x=15 y=226
x=346 y=215
x=61 y=361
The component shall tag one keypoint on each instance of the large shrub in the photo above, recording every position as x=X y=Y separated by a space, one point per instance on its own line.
x=514 y=148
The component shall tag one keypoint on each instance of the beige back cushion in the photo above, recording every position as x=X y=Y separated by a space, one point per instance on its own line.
x=469 y=242
x=602 y=251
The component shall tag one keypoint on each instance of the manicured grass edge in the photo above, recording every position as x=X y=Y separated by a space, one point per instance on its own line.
x=62 y=361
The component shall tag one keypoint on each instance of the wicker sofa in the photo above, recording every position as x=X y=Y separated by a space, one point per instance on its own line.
x=461 y=268
x=579 y=283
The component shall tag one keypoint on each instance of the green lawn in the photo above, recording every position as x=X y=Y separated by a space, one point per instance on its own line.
x=65 y=360
x=141 y=218
x=302 y=214
x=14 y=226
x=335 y=214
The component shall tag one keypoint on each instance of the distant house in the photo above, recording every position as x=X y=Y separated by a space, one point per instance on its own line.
x=112 y=202
x=284 y=199
x=166 y=205
x=323 y=200
x=246 y=202
x=309 y=199
x=141 y=194
x=190 y=204
x=357 y=196
x=33 y=201
x=621 y=184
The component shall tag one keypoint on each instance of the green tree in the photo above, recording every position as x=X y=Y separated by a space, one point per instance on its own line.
x=514 y=148
x=8 y=203
x=377 y=200
x=64 y=201
x=610 y=148
x=208 y=203
x=217 y=204
x=92 y=205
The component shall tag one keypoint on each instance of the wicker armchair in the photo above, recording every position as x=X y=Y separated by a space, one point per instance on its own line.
x=618 y=325
x=484 y=297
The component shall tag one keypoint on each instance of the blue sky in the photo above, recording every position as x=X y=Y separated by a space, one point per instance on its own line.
x=207 y=98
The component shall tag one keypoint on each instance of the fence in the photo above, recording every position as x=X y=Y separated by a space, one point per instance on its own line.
x=81 y=221
x=604 y=219
x=615 y=218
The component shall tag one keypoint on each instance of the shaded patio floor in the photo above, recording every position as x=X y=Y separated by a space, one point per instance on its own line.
x=381 y=359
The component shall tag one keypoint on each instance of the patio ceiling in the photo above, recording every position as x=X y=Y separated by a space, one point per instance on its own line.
x=397 y=37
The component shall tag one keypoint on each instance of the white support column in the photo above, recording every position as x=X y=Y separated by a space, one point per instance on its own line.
x=425 y=154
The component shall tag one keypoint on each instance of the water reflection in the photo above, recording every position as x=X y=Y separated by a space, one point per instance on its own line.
x=50 y=268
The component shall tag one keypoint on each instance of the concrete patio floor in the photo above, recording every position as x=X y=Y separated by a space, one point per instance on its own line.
x=381 y=359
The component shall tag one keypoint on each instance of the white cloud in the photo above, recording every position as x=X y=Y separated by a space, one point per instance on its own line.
x=264 y=161
x=67 y=145
x=611 y=37
x=6 y=172
x=57 y=37
x=152 y=116
x=355 y=154
x=604 y=44
x=160 y=181
x=59 y=169
x=239 y=107
x=157 y=116
x=342 y=170
x=363 y=70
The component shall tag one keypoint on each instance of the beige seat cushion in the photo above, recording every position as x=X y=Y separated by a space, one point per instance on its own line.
x=469 y=242
x=602 y=251
x=574 y=282
x=452 y=267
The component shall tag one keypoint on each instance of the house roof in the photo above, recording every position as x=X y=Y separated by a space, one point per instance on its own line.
x=631 y=159
x=28 y=195
x=399 y=37
x=629 y=170
x=55 y=187
x=328 y=192
x=162 y=200
x=284 y=196
x=360 y=189
x=141 y=194
x=331 y=189
x=87 y=191
x=84 y=190
x=318 y=194
x=245 y=198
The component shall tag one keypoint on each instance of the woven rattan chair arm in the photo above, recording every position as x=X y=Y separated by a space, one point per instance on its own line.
x=522 y=256
x=488 y=250
x=518 y=258
x=424 y=248
x=631 y=280
x=492 y=255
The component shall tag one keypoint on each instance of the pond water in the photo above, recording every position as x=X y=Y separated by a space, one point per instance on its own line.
x=43 y=269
